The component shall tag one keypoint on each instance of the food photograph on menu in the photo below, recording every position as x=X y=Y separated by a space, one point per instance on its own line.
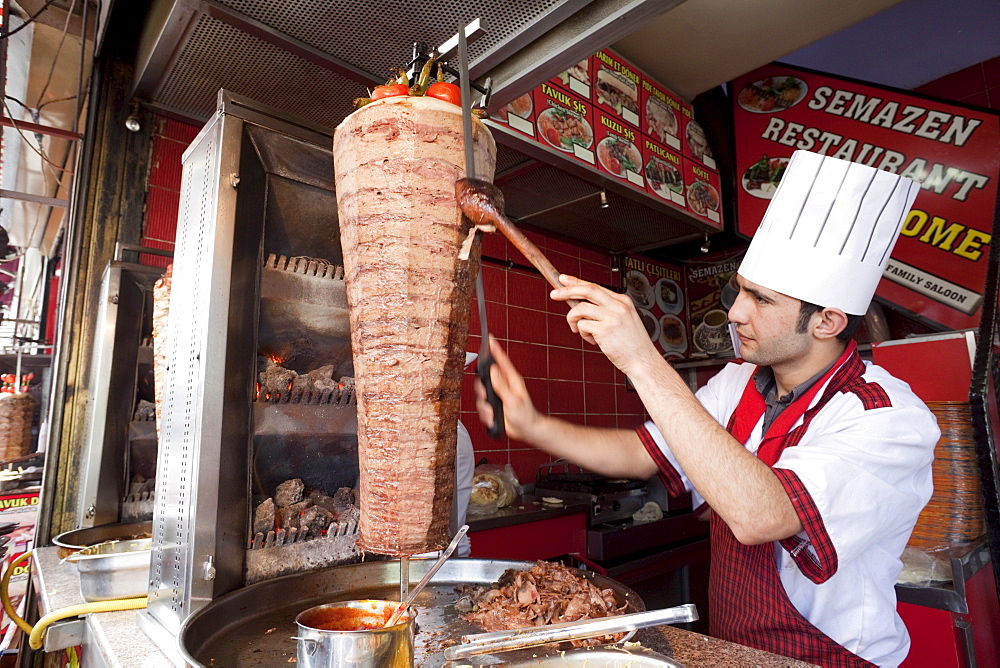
x=761 y=178
x=563 y=129
x=772 y=94
x=656 y=290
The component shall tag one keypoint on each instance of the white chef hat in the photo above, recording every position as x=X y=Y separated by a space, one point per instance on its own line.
x=828 y=231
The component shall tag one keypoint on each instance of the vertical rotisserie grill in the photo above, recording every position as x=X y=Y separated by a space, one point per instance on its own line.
x=259 y=380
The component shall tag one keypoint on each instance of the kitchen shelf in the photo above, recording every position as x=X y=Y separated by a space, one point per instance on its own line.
x=545 y=189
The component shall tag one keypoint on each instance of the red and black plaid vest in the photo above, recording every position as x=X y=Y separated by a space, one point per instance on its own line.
x=747 y=599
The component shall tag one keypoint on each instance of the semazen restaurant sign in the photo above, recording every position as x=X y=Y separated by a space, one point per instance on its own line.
x=938 y=267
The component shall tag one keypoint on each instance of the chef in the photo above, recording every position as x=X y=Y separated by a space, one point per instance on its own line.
x=814 y=462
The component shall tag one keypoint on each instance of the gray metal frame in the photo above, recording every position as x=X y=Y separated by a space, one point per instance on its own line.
x=124 y=290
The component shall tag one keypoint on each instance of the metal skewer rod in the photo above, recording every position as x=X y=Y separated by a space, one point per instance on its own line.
x=404 y=578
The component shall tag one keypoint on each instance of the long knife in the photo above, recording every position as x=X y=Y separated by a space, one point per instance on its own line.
x=485 y=360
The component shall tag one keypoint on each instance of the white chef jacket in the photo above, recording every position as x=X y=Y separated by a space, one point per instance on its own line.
x=869 y=475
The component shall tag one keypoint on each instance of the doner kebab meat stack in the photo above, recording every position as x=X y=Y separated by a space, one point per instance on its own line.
x=396 y=161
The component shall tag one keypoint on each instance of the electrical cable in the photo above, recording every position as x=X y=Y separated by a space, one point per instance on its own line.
x=30 y=145
x=55 y=56
x=31 y=19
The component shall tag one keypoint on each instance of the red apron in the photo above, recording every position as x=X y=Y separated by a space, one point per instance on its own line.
x=747 y=599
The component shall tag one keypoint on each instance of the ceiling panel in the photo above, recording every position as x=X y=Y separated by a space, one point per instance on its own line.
x=703 y=43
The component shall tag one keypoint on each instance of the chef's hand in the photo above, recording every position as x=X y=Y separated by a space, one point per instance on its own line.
x=609 y=320
x=520 y=415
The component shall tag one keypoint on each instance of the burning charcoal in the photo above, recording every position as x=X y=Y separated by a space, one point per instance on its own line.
x=289 y=492
x=302 y=384
x=146 y=410
x=325 y=501
x=315 y=519
x=275 y=379
x=324 y=373
x=352 y=514
x=344 y=499
x=289 y=516
x=263 y=517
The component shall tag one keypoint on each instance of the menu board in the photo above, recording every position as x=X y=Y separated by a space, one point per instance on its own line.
x=616 y=87
x=605 y=112
x=703 y=190
x=664 y=114
x=565 y=122
x=938 y=267
x=657 y=290
x=576 y=79
x=617 y=152
x=664 y=171
x=709 y=301
x=519 y=114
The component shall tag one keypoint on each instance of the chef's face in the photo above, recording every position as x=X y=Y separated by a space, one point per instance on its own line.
x=766 y=324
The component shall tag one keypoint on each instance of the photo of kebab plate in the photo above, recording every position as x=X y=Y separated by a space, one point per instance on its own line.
x=396 y=161
x=619 y=155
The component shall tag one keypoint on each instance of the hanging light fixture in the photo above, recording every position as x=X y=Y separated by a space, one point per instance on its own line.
x=604 y=200
x=705 y=247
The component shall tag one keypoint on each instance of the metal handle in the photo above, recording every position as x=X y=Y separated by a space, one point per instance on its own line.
x=483 y=364
x=503 y=641
x=309 y=644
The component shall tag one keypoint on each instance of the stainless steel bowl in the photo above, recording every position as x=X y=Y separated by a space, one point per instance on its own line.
x=77 y=539
x=113 y=570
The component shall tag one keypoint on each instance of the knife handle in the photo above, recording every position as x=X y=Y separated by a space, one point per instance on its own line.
x=483 y=365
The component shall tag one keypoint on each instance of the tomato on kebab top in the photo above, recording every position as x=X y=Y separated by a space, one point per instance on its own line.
x=399 y=85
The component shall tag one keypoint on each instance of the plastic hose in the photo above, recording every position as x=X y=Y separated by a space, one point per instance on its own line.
x=36 y=637
x=5 y=599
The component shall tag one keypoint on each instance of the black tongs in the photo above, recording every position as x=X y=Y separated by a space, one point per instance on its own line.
x=485 y=360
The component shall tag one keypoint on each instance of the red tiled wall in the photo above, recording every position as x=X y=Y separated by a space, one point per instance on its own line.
x=978 y=85
x=565 y=376
x=170 y=139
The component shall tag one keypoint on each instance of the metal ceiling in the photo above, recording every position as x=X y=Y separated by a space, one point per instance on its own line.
x=311 y=58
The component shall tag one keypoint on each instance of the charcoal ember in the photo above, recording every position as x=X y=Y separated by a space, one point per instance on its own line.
x=274 y=378
x=301 y=389
x=324 y=373
x=352 y=514
x=326 y=502
x=289 y=492
x=344 y=499
x=289 y=515
x=263 y=517
x=146 y=410
x=316 y=520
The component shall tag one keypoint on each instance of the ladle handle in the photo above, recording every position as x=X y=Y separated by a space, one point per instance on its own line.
x=427 y=578
x=530 y=251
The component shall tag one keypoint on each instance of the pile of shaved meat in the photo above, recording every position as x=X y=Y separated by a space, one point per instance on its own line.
x=547 y=593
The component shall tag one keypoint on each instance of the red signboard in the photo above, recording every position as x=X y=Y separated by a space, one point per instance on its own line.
x=565 y=122
x=657 y=290
x=618 y=152
x=938 y=267
x=576 y=79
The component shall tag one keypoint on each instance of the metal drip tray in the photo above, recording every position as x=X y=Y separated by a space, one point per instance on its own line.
x=254 y=626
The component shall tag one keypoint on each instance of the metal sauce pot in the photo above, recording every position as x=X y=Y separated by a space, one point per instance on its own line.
x=349 y=634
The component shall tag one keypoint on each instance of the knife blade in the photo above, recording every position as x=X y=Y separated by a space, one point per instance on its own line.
x=485 y=359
